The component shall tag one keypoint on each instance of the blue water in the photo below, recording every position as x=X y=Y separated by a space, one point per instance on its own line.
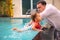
x=6 y=24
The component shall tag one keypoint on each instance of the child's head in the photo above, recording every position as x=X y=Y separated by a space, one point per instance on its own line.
x=35 y=16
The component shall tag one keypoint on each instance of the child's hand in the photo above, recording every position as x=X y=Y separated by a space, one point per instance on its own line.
x=14 y=28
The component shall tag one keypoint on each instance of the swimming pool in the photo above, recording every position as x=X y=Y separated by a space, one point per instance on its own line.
x=6 y=24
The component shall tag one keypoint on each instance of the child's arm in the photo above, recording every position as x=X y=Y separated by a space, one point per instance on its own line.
x=23 y=29
x=16 y=29
x=28 y=26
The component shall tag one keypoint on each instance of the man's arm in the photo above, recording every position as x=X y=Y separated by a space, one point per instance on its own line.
x=51 y=10
x=47 y=12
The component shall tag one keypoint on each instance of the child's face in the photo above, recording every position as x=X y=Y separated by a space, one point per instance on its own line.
x=38 y=17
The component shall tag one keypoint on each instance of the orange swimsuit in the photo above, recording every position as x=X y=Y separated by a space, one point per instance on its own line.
x=37 y=25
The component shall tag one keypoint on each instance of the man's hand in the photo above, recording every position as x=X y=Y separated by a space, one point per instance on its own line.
x=40 y=30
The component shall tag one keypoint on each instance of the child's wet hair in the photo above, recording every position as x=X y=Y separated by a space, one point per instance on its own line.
x=33 y=16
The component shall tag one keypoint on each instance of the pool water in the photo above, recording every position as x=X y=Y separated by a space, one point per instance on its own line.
x=6 y=24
